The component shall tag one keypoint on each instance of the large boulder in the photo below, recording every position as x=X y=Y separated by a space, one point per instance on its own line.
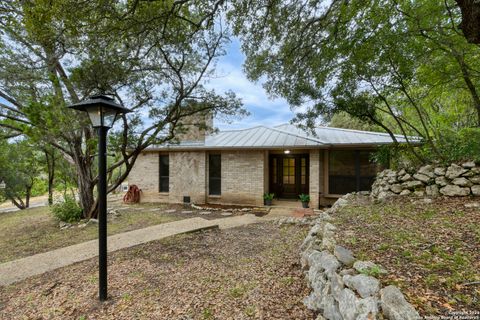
x=367 y=308
x=462 y=182
x=394 y=305
x=439 y=171
x=412 y=184
x=347 y=304
x=324 y=260
x=406 y=177
x=396 y=188
x=366 y=286
x=330 y=308
x=476 y=190
x=454 y=191
x=455 y=171
x=432 y=191
x=475 y=179
x=422 y=177
x=468 y=165
x=441 y=181
x=427 y=170
x=344 y=255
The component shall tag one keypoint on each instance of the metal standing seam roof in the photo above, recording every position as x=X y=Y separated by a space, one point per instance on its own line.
x=285 y=136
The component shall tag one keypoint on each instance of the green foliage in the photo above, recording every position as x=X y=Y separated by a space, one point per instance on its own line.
x=68 y=210
x=154 y=56
x=268 y=196
x=304 y=197
x=40 y=187
x=403 y=67
x=19 y=168
x=346 y=121
x=374 y=271
x=461 y=145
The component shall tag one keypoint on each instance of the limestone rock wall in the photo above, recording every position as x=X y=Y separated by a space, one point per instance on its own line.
x=454 y=180
x=341 y=286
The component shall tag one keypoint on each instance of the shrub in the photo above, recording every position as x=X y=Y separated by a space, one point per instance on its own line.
x=268 y=196
x=304 y=197
x=68 y=210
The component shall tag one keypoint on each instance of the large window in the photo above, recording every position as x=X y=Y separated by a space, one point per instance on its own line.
x=350 y=171
x=214 y=174
x=164 y=173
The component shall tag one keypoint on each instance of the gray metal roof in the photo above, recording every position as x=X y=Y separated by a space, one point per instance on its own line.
x=338 y=136
x=285 y=136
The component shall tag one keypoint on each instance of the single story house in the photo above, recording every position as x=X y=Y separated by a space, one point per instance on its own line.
x=239 y=166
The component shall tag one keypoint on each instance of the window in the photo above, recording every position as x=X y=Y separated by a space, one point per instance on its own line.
x=214 y=174
x=164 y=173
x=350 y=171
x=289 y=171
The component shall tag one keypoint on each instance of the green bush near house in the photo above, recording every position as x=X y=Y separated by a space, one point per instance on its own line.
x=67 y=211
x=268 y=196
x=304 y=197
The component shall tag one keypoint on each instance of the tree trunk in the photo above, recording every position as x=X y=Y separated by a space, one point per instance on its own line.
x=85 y=194
x=27 y=197
x=470 y=24
x=51 y=175
x=19 y=204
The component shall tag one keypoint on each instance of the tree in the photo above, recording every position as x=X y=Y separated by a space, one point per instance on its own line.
x=153 y=56
x=470 y=25
x=19 y=167
x=395 y=64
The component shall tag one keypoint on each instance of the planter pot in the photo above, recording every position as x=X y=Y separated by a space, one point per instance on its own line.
x=304 y=204
x=268 y=202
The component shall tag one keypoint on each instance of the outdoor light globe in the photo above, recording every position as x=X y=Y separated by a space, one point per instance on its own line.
x=102 y=110
x=101 y=116
x=3 y=185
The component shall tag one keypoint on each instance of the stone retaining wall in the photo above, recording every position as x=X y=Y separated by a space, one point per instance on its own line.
x=343 y=287
x=454 y=180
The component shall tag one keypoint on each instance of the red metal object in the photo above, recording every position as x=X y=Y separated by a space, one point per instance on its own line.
x=132 y=195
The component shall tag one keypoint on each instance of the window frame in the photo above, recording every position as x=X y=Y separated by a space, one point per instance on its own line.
x=357 y=169
x=214 y=178
x=163 y=177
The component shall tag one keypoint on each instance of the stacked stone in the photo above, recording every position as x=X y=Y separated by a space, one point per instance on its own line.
x=341 y=285
x=453 y=181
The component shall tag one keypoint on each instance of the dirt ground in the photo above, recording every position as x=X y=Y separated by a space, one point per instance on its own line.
x=431 y=250
x=249 y=272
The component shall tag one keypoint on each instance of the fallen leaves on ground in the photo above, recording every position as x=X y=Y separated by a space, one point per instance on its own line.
x=431 y=250
x=249 y=272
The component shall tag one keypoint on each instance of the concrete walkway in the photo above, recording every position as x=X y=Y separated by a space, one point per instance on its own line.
x=20 y=269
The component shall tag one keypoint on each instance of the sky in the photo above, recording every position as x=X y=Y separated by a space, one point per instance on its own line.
x=263 y=109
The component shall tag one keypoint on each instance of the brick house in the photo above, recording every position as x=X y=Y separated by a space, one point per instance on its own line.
x=239 y=166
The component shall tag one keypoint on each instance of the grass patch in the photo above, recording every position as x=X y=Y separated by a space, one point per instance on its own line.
x=31 y=231
x=430 y=249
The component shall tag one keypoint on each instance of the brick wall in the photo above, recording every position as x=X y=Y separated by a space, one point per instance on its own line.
x=315 y=182
x=242 y=178
x=187 y=176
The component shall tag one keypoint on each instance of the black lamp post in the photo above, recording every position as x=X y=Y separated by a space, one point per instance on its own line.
x=103 y=112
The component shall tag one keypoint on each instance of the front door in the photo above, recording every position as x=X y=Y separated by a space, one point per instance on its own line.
x=289 y=175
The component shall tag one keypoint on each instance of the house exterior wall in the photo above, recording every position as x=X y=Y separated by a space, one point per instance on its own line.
x=145 y=174
x=315 y=182
x=242 y=178
x=187 y=176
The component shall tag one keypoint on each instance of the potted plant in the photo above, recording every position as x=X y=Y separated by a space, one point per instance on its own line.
x=305 y=198
x=267 y=198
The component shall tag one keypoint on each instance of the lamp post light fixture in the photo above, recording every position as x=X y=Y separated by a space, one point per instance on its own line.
x=3 y=185
x=102 y=111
